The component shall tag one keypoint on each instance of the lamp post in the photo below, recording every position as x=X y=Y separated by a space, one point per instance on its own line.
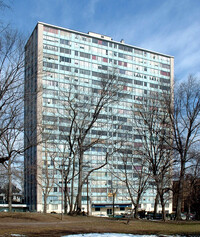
x=113 y=195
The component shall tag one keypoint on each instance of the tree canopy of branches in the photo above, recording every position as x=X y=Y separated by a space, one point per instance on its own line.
x=11 y=99
x=82 y=113
x=153 y=127
x=135 y=179
x=185 y=123
x=11 y=88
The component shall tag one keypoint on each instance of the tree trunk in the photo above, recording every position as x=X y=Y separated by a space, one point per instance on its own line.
x=9 y=187
x=163 y=207
x=156 y=205
x=45 y=203
x=136 y=211
x=131 y=215
x=88 y=212
x=136 y=205
x=72 y=188
x=65 y=196
x=180 y=193
x=80 y=178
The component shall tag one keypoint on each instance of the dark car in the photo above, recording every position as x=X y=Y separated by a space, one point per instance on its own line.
x=158 y=216
x=150 y=216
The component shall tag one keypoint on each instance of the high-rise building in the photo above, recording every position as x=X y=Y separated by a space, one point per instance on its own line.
x=66 y=74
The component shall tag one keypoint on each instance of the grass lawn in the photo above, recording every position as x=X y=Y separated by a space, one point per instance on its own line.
x=36 y=224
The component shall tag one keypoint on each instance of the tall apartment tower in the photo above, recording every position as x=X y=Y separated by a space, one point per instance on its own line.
x=66 y=72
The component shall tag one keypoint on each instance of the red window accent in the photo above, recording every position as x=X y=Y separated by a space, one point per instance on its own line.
x=99 y=41
x=94 y=57
x=165 y=73
x=138 y=168
x=125 y=88
x=105 y=60
x=51 y=30
x=125 y=64
x=119 y=62
x=137 y=144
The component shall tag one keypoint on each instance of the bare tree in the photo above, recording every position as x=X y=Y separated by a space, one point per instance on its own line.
x=83 y=112
x=185 y=122
x=134 y=174
x=11 y=96
x=11 y=142
x=47 y=178
x=154 y=132
x=191 y=181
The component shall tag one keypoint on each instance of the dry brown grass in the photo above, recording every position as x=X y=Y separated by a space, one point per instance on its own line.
x=35 y=224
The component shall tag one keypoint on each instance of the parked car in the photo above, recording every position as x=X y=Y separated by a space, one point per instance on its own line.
x=192 y=216
x=150 y=216
x=183 y=216
x=158 y=216
x=101 y=215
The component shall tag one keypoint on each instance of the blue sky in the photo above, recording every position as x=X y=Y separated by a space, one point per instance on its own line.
x=167 y=26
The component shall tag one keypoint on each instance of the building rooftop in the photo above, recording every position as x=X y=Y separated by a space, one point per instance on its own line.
x=103 y=37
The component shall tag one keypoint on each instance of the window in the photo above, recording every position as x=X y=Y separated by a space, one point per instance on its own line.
x=165 y=73
x=63 y=41
x=125 y=48
x=65 y=59
x=101 y=42
x=105 y=60
x=50 y=47
x=104 y=67
x=166 y=88
x=65 y=68
x=65 y=33
x=122 y=71
x=138 y=137
x=122 y=208
x=165 y=66
x=50 y=65
x=50 y=38
x=55 y=189
x=138 y=168
x=121 y=55
x=109 y=211
x=164 y=80
x=49 y=118
x=50 y=56
x=50 y=30
x=86 y=72
x=54 y=206
x=136 y=82
x=84 y=55
x=137 y=51
x=153 y=86
x=66 y=51
x=97 y=209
